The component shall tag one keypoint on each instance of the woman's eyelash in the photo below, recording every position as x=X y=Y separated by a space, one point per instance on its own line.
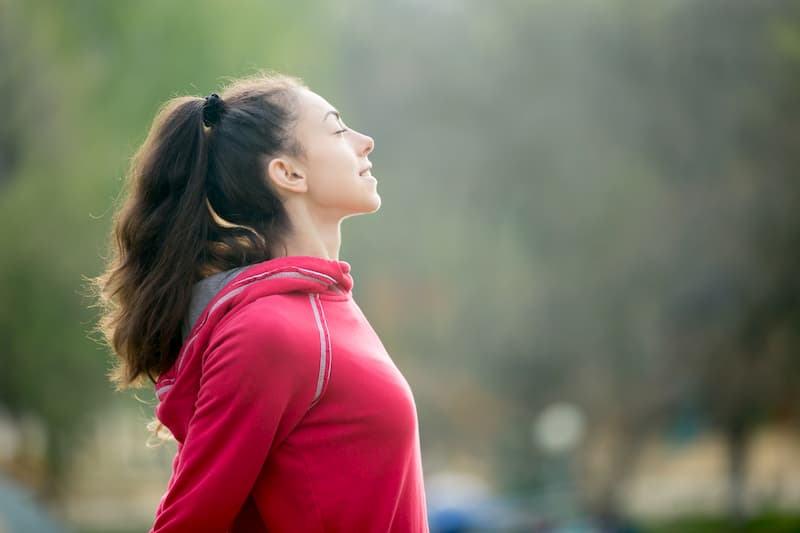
x=341 y=131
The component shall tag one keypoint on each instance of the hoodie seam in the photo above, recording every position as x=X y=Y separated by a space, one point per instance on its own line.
x=333 y=296
x=312 y=274
x=323 y=374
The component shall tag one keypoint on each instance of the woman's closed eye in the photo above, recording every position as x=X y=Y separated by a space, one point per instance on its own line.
x=340 y=131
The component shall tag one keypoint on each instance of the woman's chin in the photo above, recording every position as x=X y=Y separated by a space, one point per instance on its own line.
x=374 y=204
x=371 y=205
x=377 y=202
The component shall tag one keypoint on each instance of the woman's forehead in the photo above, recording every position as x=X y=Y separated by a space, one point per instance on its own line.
x=313 y=107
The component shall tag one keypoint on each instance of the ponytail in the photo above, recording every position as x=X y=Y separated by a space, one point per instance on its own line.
x=196 y=204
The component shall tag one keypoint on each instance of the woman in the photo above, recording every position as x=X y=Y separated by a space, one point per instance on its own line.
x=226 y=290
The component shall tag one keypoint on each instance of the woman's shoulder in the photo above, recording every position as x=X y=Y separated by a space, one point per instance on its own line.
x=276 y=312
x=259 y=349
x=281 y=323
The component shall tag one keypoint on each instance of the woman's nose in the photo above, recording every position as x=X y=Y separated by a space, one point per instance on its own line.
x=368 y=146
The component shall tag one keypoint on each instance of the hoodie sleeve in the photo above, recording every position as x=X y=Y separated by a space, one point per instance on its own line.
x=254 y=389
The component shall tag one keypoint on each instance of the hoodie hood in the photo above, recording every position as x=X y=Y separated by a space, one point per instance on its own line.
x=216 y=296
x=204 y=291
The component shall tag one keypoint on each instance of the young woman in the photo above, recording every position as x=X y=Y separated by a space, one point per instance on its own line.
x=226 y=289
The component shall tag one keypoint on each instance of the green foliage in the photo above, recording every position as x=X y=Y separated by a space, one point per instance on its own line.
x=88 y=77
x=767 y=523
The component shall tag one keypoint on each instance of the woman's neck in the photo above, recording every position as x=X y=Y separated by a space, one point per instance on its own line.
x=310 y=236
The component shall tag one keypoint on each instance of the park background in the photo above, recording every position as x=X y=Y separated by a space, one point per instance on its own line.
x=587 y=262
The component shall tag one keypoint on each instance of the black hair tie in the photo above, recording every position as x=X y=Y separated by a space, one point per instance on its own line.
x=212 y=109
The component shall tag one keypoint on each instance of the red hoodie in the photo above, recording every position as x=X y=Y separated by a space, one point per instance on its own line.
x=288 y=412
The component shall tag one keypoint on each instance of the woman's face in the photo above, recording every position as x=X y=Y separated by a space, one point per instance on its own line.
x=334 y=161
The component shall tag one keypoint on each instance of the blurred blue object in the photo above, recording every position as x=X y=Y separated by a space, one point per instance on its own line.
x=460 y=502
x=451 y=521
x=489 y=514
x=20 y=513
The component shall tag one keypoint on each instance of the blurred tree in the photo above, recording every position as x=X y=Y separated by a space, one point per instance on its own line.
x=86 y=78
x=604 y=210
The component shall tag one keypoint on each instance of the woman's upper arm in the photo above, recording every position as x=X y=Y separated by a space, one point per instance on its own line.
x=254 y=387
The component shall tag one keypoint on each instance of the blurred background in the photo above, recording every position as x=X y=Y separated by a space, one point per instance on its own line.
x=587 y=262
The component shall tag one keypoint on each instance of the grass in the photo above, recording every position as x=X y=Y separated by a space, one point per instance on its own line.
x=766 y=523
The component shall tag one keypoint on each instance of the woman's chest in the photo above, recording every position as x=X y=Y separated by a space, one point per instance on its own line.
x=364 y=391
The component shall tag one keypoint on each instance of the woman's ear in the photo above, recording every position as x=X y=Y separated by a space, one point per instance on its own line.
x=286 y=177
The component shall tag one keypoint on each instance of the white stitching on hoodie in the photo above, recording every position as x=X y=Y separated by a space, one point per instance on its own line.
x=323 y=344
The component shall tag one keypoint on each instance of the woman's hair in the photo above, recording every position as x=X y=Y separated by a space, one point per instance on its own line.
x=197 y=202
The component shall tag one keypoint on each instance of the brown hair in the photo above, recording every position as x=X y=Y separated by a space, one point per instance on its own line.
x=196 y=202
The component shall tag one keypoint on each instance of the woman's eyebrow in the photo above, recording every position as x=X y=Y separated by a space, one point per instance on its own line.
x=332 y=112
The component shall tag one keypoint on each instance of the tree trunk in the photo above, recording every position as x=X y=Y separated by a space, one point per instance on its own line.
x=736 y=437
